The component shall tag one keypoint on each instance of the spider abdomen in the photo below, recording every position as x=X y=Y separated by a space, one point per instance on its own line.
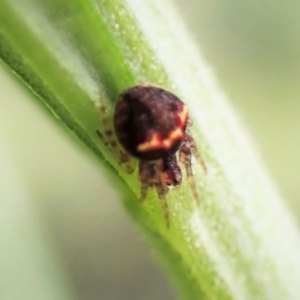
x=150 y=122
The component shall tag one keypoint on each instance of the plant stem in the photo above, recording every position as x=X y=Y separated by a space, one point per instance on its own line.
x=241 y=243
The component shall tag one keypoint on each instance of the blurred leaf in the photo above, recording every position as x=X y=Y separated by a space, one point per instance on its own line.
x=29 y=268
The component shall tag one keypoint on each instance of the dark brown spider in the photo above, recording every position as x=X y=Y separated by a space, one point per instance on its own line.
x=150 y=124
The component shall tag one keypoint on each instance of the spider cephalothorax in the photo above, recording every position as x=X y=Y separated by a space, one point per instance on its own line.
x=150 y=124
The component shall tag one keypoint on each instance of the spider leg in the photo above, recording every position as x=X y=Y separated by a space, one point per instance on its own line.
x=151 y=175
x=109 y=140
x=146 y=171
x=162 y=189
x=165 y=207
x=185 y=156
x=192 y=145
x=189 y=122
x=173 y=175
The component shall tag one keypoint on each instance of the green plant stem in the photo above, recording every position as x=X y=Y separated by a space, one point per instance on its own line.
x=241 y=243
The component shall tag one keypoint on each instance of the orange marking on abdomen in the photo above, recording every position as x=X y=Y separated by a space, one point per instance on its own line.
x=157 y=142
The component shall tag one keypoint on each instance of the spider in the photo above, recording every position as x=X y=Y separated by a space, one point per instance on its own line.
x=150 y=124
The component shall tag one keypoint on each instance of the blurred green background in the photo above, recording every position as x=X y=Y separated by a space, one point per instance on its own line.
x=253 y=48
